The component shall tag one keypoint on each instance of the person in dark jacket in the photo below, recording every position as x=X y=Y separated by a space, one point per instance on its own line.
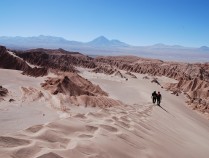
x=154 y=97
x=159 y=98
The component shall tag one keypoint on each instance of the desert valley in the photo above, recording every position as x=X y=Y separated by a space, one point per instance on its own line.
x=59 y=104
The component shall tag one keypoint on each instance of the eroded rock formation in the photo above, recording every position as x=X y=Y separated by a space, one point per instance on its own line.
x=193 y=78
x=56 y=59
x=72 y=85
x=9 y=61
x=3 y=91
x=78 y=91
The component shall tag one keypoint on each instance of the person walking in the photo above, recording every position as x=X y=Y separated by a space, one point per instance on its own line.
x=154 y=97
x=159 y=98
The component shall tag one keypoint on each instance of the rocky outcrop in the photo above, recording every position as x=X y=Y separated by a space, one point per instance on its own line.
x=196 y=90
x=72 y=85
x=31 y=94
x=36 y=72
x=155 y=81
x=8 y=61
x=64 y=86
x=3 y=91
x=86 y=85
x=119 y=74
x=131 y=74
x=157 y=67
x=73 y=89
x=193 y=78
x=106 y=69
x=56 y=59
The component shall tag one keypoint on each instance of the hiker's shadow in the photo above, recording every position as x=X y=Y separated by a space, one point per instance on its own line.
x=164 y=109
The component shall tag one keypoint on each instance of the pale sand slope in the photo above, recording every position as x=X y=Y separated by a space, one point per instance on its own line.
x=176 y=130
x=25 y=110
x=138 y=129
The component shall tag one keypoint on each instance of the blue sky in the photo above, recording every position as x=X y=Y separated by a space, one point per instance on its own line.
x=137 y=22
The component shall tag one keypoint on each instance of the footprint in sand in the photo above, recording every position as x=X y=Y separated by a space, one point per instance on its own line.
x=109 y=120
x=115 y=118
x=85 y=136
x=125 y=119
x=91 y=128
x=82 y=116
x=34 y=129
x=9 y=142
x=132 y=142
x=49 y=155
x=26 y=152
x=109 y=128
x=97 y=115
x=122 y=124
x=50 y=136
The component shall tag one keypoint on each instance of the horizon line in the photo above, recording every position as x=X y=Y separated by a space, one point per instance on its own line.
x=154 y=44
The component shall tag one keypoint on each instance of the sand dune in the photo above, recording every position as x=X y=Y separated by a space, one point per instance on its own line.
x=134 y=128
x=83 y=135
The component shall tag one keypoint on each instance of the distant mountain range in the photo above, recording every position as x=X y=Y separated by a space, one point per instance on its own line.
x=52 y=41
x=102 y=41
x=103 y=46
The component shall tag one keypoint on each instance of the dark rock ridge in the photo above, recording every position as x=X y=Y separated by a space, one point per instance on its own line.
x=173 y=70
x=196 y=90
x=109 y=70
x=36 y=72
x=130 y=74
x=56 y=59
x=8 y=61
x=3 y=91
x=106 y=69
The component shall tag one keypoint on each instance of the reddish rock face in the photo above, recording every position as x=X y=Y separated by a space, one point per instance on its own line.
x=36 y=72
x=64 y=85
x=106 y=69
x=8 y=61
x=72 y=85
x=157 y=67
x=193 y=78
x=56 y=59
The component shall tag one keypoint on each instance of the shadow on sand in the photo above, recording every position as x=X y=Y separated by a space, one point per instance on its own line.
x=162 y=108
x=165 y=110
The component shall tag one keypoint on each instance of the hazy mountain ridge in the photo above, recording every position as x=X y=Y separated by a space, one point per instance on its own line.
x=103 y=46
x=102 y=41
